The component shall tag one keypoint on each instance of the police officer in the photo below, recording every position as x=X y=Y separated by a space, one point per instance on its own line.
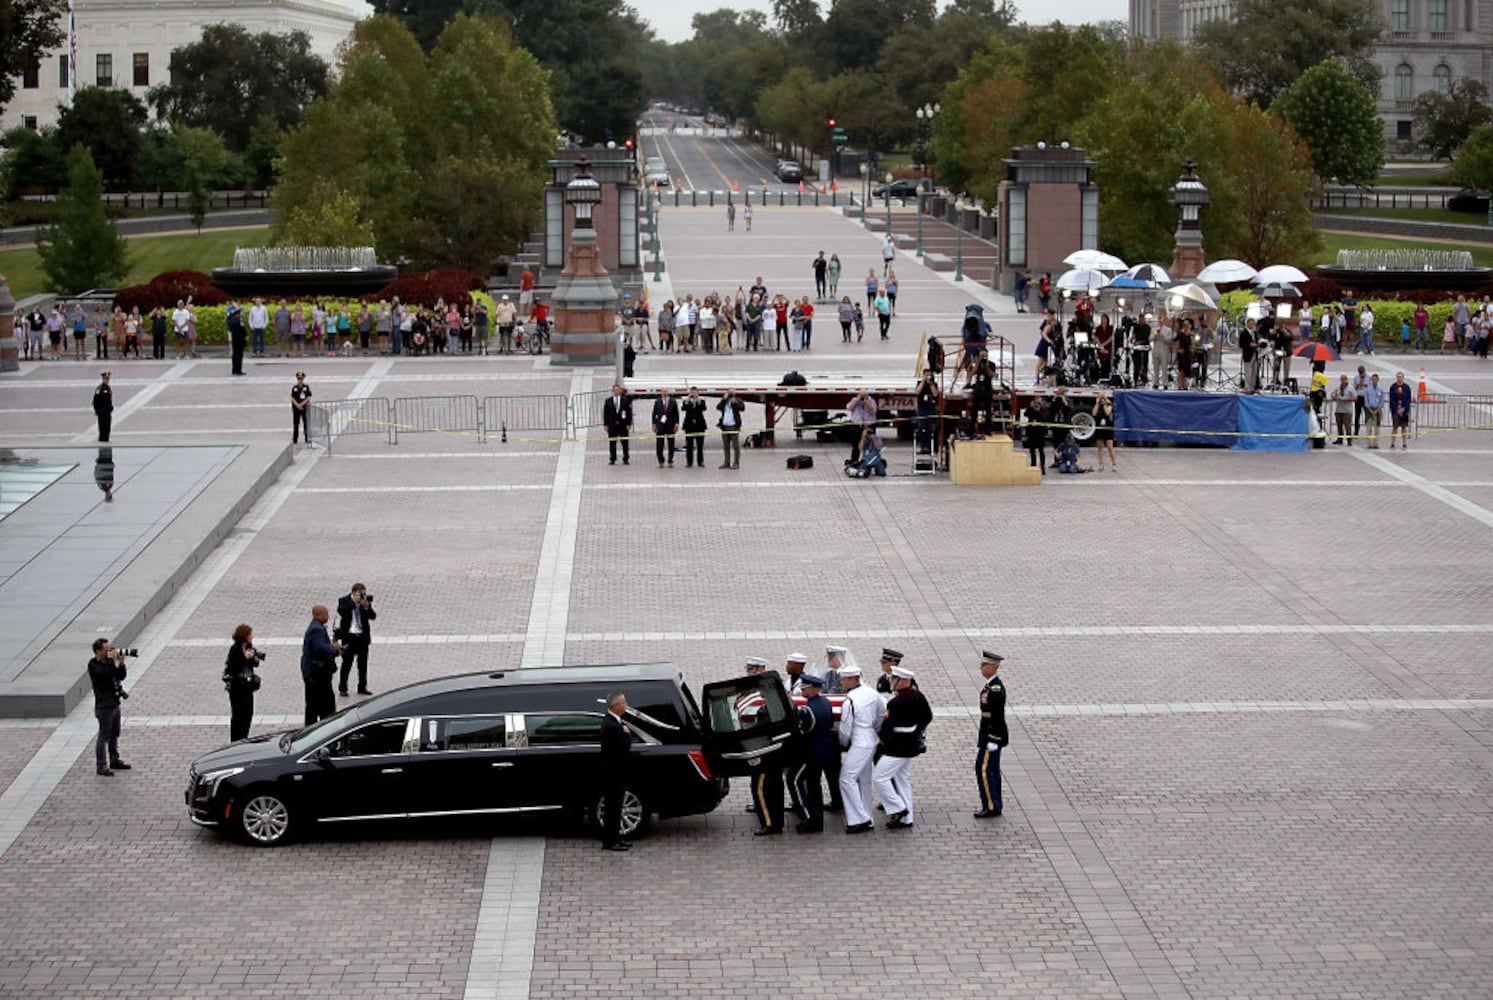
x=993 y=736
x=766 y=779
x=907 y=716
x=816 y=719
x=300 y=400
x=861 y=716
x=103 y=406
x=890 y=658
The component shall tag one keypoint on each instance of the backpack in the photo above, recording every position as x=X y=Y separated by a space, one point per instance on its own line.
x=801 y=462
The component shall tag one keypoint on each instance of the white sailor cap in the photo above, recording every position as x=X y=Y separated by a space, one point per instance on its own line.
x=796 y=658
x=904 y=673
x=850 y=671
x=836 y=650
x=755 y=661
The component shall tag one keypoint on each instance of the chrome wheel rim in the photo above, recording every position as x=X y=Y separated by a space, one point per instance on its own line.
x=265 y=819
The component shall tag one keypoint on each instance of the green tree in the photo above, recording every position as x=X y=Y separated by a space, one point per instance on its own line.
x=977 y=126
x=109 y=122
x=1334 y=114
x=1472 y=167
x=83 y=250
x=332 y=217
x=1267 y=188
x=203 y=165
x=230 y=79
x=856 y=30
x=29 y=29
x=33 y=162
x=462 y=134
x=1268 y=45
x=1444 y=119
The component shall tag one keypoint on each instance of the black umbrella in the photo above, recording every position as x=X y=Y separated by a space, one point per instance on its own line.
x=1277 y=290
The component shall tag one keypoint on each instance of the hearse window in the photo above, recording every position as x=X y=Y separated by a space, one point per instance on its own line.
x=569 y=729
x=383 y=737
x=480 y=733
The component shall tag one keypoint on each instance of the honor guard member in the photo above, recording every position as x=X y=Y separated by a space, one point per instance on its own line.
x=836 y=658
x=890 y=659
x=902 y=738
x=993 y=736
x=300 y=399
x=861 y=716
x=793 y=672
x=103 y=406
x=816 y=720
x=766 y=784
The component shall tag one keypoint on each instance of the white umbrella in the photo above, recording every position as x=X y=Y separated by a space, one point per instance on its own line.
x=1154 y=274
x=1283 y=273
x=1221 y=272
x=1081 y=279
x=1191 y=294
x=1096 y=260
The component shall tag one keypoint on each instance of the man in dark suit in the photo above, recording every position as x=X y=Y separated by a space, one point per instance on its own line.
x=816 y=721
x=665 y=424
x=616 y=755
x=318 y=663
x=355 y=615
x=616 y=415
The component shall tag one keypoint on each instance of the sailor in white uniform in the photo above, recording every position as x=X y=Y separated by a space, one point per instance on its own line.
x=861 y=716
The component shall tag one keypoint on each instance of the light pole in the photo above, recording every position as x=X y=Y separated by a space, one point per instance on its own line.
x=925 y=116
x=865 y=187
x=655 y=203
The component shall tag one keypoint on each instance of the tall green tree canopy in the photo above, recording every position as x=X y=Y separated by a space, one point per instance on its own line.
x=83 y=250
x=1472 y=167
x=108 y=121
x=29 y=29
x=1444 y=119
x=442 y=153
x=1268 y=45
x=230 y=79
x=1335 y=115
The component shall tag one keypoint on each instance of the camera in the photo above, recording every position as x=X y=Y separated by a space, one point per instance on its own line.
x=258 y=655
x=130 y=652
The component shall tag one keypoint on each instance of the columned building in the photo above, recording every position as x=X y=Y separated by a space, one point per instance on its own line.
x=128 y=43
x=1426 y=45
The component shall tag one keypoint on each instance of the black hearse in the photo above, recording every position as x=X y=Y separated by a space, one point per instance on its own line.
x=491 y=744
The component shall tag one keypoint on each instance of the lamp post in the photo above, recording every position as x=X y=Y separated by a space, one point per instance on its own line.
x=655 y=204
x=865 y=186
x=925 y=116
x=584 y=298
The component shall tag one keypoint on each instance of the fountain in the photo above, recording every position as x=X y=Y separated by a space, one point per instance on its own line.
x=344 y=272
x=1452 y=270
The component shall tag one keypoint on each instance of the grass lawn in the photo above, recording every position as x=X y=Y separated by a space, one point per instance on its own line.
x=1482 y=253
x=148 y=256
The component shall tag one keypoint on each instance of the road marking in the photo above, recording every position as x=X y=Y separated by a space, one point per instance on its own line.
x=1430 y=489
x=975 y=632
x=549 y=608
x=502 y=962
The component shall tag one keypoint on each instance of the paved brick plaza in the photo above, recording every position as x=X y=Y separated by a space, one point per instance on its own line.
x=1252 y=720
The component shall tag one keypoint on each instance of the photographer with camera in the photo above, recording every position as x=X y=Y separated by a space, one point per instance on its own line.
x=107 y=672
x=240 y=681
x=354 y=631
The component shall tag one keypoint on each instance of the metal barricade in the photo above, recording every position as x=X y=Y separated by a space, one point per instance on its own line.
x=585 y=410
x=330 y=419
x=504 y=414
x=1449 y=413
x=436 y=414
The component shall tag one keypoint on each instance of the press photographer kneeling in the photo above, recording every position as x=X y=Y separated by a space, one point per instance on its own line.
x=240 y=681
x=107 y=672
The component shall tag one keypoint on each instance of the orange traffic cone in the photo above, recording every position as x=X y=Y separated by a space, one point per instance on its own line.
x=736 y=185
x=1420 y=390
x=800 y=187
x=834 y=185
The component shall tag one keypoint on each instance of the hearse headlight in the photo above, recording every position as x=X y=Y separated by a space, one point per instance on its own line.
x=212 y=779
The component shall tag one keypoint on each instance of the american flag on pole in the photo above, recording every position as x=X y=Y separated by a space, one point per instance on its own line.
x=72 y=53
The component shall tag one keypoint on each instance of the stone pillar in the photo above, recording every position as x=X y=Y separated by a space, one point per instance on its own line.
x=10 y=360
x=585 y=307
x=1190 y=196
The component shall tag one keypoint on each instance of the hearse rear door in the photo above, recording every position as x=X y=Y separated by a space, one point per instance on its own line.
x=747 y=720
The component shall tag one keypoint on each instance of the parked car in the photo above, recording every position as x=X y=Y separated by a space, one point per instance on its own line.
x=494 y=744
x=789 y=170
x=903 y=188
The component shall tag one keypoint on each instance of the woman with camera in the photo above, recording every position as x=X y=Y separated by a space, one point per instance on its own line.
x=240 y=680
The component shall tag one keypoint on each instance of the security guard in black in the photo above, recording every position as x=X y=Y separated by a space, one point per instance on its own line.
x=103 y=406
x=300 y=399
